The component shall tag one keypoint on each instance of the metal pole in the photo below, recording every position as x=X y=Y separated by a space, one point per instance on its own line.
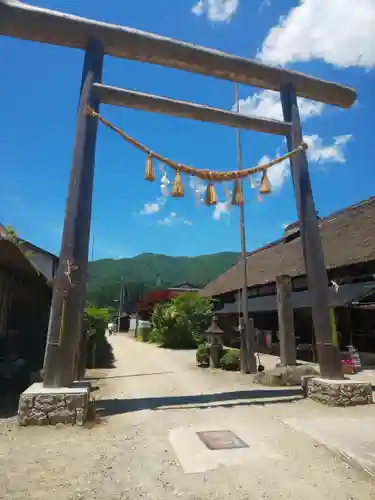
x=250 y=365
x=328 y=351
x=70 y=283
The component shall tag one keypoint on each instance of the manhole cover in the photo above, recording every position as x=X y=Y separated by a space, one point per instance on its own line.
x=221 y=440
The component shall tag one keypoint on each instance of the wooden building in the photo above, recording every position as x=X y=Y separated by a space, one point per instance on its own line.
x=124 y=321
x=26 y=274
x=348 y=238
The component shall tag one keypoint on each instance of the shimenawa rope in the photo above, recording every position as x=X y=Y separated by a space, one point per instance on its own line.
x=206 y=175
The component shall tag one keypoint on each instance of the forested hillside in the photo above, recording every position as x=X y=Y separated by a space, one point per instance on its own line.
x=148 y=271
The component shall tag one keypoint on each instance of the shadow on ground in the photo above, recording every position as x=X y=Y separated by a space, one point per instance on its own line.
x=107 y=407
x=128 y=375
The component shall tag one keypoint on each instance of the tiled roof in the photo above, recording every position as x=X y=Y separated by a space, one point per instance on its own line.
x=348 y=237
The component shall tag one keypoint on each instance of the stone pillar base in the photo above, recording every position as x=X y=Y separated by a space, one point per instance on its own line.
x=39 y=405
x=339 y=392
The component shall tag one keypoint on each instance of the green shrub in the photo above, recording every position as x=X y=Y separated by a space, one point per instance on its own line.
x=195 y=313
x=96 y=313
x=99 y=353
x=154 y=336
x=158 y=323
x=224 y=351
x=230 y=361
x=182 y=322
x=203 y=355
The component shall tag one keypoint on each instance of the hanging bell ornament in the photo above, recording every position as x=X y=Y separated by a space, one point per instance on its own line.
x=150 y=171
x=265 y=185
x=237 y=197
x=211 y=196
x=177 y=186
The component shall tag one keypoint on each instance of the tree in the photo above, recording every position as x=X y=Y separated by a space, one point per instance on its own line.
x=182 y=322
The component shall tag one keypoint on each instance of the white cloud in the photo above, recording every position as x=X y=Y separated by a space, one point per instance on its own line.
x=266 y=104
x=199 y=188
x=155 y=206
x=333 y=153
x=198 y=8
x=317 y=152
x=341 y=32
x=152 y=208
x=173 y=218
x=164 y=183
x=222 y=208
x=264 y=5
x=216 y=10
x=167 y=221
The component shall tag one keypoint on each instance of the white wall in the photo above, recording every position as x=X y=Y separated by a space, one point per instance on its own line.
x=44 y=262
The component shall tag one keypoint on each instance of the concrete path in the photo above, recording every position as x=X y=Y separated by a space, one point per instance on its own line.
x=152 y=406
x=351 y=437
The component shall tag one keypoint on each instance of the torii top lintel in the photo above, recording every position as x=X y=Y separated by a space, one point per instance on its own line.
x=28 y=22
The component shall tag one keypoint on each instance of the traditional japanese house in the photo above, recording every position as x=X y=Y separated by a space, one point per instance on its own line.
x=26 y=274
x=348 y=238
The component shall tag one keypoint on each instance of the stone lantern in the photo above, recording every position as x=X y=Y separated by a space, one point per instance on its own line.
x=215 y=338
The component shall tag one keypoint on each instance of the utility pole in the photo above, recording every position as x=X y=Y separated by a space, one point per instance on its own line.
x=246 y=336
x=121 y=298
x=92 y=246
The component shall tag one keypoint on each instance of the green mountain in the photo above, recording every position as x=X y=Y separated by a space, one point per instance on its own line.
x=147 y=271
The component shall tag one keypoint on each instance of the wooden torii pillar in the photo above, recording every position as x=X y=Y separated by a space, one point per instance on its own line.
x=29 y=22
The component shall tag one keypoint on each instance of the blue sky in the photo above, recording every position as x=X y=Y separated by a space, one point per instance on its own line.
x=39 y=88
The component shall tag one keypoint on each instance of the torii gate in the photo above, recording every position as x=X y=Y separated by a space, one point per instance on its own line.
x=98 y=39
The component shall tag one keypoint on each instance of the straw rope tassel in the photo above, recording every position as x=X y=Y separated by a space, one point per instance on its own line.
x=150 y=170
x=237 y=198
x=265 y=185
x=177 y=186
x=211 y=196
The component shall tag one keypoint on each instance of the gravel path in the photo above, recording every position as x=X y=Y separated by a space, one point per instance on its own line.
x=145 y=446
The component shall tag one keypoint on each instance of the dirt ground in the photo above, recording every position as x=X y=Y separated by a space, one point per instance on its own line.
x=145 y=445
